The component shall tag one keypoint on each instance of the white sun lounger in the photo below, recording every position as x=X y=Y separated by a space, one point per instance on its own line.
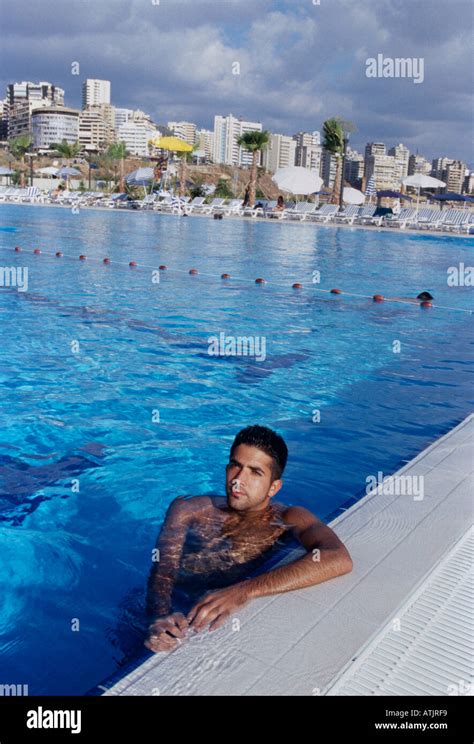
x=348 y=215
x=175 y=204
x=456 y=220
x=428 y=218
x=325 y=214
x=422 y=217
x=300 y=211
x=233 y=207
x=401 y=220
x=195 y=205
x=215 y=204
x=366 y=215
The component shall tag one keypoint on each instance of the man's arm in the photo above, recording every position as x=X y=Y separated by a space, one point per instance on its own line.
x=169 y=548
x=326 y=558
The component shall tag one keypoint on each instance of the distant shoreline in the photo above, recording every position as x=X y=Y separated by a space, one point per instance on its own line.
x=343 y=226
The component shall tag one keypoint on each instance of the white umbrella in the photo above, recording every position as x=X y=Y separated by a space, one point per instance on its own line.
x=298 y=180
x=48 y=171
x=66 y=172
x=352 y=196
x=140 y=176
x=421 y=181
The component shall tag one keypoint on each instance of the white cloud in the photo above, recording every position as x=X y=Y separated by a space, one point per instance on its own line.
x=299 y=63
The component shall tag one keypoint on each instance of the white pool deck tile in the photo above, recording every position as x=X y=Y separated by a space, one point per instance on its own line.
x=429 y=646
x=334 y=638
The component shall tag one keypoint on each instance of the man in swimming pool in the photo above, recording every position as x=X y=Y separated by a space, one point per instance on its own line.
x=211 y=544
x=422 y=297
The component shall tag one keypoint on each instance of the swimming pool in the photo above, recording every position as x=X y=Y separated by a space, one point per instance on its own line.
x=141 y=412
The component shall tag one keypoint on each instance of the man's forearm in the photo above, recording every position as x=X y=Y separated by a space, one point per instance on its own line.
x=304 y=572
x=159 y=593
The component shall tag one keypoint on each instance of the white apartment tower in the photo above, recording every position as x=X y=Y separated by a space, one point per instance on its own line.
x=354 y=168
x=41 y=93
x=205 y=140
x=308 y=151
x=185 y=130
x=402 y=156
x=418 y=164
x=225 y=148
x=384 y=170
x=22 y=99
x=95 y=92
x=136 y=134
x=439 y=166
x=280 y=153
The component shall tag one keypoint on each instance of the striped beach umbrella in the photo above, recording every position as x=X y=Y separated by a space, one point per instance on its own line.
x=371 y=188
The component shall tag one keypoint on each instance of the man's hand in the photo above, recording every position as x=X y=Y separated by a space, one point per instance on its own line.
x=215 y=607
x=166 y=632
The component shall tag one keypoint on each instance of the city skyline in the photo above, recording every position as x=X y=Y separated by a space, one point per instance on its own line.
x=295 y=66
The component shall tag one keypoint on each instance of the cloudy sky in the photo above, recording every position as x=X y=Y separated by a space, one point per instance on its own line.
x=300 y=62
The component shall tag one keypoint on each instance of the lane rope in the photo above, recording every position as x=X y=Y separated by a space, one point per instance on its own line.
x=296 y=285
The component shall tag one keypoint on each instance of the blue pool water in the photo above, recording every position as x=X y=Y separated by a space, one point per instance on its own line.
x=143 y=347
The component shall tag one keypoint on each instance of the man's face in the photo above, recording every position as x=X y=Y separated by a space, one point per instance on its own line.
x=252 y=468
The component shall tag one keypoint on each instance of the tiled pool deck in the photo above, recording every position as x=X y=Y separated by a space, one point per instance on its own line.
x=399 y=624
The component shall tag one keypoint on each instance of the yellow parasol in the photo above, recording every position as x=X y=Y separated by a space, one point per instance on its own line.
x=175 y=144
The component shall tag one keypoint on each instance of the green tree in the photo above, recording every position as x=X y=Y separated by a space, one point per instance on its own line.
x=68 y=151
x=118 y=152
x=18 y=148
x=105 y=169
x=333 y=142
x=223 y=190
x=197 y=189
x=336 y=136
x=253 y=142
x=185 y=158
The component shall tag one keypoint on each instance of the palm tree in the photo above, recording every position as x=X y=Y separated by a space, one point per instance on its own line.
x=18 y=148
x=185 y=158
x=253 y=142
x=68 y=151
x=334 y=143
x=223 y=190
x=118 y=152
x=336 y=137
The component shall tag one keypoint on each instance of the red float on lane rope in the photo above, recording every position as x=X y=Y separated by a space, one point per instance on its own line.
x=193 y=271
x=259 y=281
x=297 y=285
x=37 y=251
x=106 y=260
x=225 y=276
x=17 y=249
x=58 y=254
x=378 y=298
x=163 y=267
x=336 y=291
x=426 y=303
x=132 y=264
x=82 y=257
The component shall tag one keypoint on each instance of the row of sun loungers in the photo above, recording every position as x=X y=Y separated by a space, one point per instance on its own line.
x=451 y=220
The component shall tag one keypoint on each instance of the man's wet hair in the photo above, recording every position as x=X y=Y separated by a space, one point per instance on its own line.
x=424 y=296
x=268 y=441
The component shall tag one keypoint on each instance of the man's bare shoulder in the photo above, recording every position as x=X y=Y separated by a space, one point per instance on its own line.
x=299 y=517
x=189 y=507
